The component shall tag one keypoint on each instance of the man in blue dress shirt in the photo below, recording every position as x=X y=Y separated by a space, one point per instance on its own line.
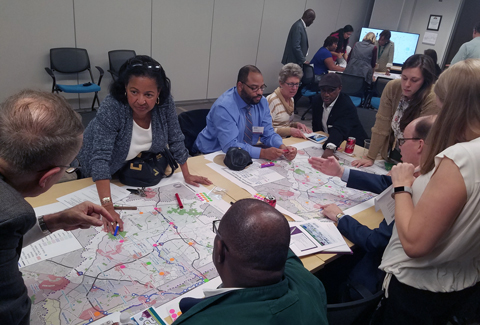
x=240 y=117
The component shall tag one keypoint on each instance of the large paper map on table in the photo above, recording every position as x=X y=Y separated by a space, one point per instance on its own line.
x=164 y=252
x=298 y=188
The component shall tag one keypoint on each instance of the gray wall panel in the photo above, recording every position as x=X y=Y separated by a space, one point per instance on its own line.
x=236 y=31
x=105 y=25
x=182 y=32
x=28 y=29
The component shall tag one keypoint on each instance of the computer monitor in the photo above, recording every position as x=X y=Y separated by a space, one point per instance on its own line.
x=405 y=43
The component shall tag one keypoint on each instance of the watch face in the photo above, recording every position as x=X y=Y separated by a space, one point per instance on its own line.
x=331 y=146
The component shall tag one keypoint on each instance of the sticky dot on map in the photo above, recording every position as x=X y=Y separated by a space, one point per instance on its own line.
x=313 y=191
x=171 y=223
x=162 y=273
x=122 y=241
x=172 y=259
x=141 y=212
x=148 y=263
x=97 y=313
x=154 y=245
x=190 y=243
x=122 y=266
x=171 y=311
x=205 y=280
x=179 y=313
x=174 y=316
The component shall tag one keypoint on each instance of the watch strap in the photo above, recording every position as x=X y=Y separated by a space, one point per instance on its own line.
x=339 y=216
x=43 y=226
x=106 y=200
x=401 y=189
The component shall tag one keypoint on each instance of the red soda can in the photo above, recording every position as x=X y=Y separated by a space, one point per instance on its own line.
x=350 y=145
x=270 y=199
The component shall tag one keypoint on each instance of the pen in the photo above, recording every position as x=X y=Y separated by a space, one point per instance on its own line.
x=285 y=150
x=119 y=207
x=116 y=230
x=179 y=201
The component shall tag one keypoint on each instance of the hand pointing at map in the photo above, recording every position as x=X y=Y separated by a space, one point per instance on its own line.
x=82 y=216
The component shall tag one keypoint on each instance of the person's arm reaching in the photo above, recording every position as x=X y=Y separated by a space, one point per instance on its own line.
x=332 y=66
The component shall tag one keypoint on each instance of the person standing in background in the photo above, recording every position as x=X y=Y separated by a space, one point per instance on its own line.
x=343 y=35
x=386 y=49
x=296 y=49
x=469 y=50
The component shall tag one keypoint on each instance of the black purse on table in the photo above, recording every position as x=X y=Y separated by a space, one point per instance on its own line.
x=147 y=168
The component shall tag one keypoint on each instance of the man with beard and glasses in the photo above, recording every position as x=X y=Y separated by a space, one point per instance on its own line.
x=240 y=117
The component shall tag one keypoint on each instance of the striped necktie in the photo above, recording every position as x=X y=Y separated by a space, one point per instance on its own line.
x=248 y=134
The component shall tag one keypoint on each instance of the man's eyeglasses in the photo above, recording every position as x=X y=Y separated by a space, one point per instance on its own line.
x=401 y=141
x=215 y=224
x=74 y=166
x=293 y=85
x=256 y=88
x=327 y=90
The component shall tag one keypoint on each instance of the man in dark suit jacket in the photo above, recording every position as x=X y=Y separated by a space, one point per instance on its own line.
x=372 y=242
x=297 y=42
x=342 y=120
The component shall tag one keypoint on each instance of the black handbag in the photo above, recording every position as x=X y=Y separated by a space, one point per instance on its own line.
x=147 y=168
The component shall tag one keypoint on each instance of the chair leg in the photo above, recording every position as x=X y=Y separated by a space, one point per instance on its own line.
x=95 y=98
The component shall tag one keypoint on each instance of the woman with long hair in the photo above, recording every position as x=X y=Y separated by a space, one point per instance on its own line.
x=402 y=101
x=433 y=258
x=343 y=35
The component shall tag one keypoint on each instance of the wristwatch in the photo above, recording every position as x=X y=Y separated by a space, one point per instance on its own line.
x=339 y=216
x=331 y=146
x=43 y=226
x=401 y=189
x=106 y=200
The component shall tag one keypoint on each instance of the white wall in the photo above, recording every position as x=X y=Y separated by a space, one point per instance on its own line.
x=201 y=44
x=412 y=16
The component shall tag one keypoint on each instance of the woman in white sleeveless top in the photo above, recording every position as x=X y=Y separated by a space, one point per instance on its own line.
x=433 y=258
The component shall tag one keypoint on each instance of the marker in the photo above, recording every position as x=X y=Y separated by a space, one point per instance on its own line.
x=267 y=165
x=116 y=230
x=179 y=201
x=118 y=207
x=285 y=150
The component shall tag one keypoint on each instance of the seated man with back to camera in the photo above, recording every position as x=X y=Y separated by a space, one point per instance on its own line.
x=334 y=113
x=264 y=282
x=40 y=135
x=239 y=117
x=371 y=242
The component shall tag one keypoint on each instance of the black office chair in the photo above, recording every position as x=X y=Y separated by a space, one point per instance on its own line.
x=309 y=86
x=69 y=60
x=378 y=87
x=367 y=118
x=355 y=87
x=358 y=312
x=116 y=58
x=192 y=123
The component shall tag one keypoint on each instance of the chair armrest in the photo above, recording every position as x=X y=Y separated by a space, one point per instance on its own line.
x=50 y=72
x=102 y=72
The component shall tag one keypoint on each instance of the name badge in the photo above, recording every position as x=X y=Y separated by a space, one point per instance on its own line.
x=257 y=129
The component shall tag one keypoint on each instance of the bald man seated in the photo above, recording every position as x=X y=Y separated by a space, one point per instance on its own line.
x=263 y=281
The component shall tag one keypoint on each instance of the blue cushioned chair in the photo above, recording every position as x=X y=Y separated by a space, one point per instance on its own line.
x=310 y=86
x=379 y=86
x=69 y=60
x=355 y=87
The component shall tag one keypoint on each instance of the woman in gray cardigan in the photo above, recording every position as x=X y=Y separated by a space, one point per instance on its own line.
x=138 y=115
